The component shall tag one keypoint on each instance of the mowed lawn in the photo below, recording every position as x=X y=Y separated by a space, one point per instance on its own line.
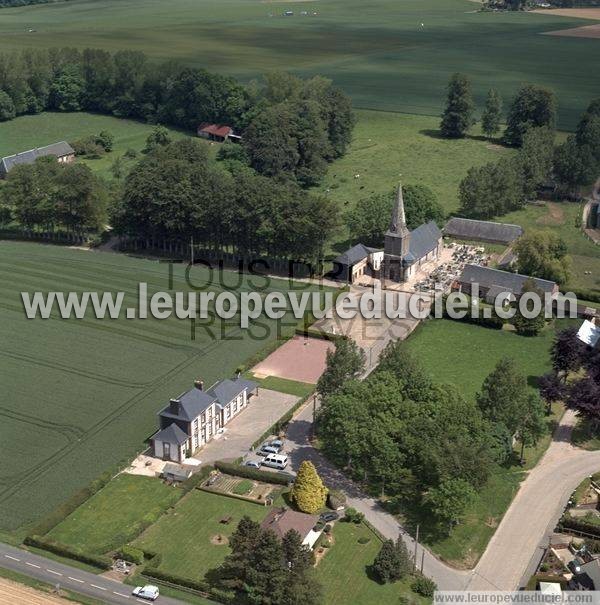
x=183 y=536
x=81 y=395
x=387 y=54
x=343 y=571
x=28 y=132
x=114 y=515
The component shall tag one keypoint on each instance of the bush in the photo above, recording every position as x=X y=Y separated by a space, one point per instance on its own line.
x=253 y=473
x=336 y=499
x=130 y=154
x=568 y=522
x=88 y=147
x=424 y=586
x=99 y=561
x=131 y=554
x=353 y=516
x=364 y=540
x=196 y=479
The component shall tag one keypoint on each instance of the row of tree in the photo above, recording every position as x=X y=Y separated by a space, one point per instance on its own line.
x=420 y=441
x=176 y=191
x=291 y=127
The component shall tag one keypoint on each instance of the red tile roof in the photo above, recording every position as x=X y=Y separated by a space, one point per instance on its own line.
x=281 y=520
x=218 y=130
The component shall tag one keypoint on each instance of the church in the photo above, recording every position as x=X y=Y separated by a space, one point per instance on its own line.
x=403 y=255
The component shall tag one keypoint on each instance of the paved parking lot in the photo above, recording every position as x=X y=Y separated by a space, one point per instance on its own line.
x=239 y=434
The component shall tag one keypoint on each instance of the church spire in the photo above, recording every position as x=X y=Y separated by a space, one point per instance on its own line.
x=398 y=223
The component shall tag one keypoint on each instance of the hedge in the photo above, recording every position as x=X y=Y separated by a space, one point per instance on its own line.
x=585 y=294
x=157 y=574
x=578 y=525
x=131 y=554
x=248 y=472
x=99 y=561
x=196 y=479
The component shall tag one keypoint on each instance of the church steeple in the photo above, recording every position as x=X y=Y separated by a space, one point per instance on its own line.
x=398 y=222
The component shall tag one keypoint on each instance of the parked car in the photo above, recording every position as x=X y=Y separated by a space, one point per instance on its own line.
x=575 y=565
x=146 y=592
x=328 y=517
x=277 y=443
x=267 y=449
x=278 y=461
x=252 y=463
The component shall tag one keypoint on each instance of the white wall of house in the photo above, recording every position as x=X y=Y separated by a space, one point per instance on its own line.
x=176 y=453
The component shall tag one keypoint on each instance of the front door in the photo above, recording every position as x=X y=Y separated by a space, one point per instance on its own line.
x=166 y=451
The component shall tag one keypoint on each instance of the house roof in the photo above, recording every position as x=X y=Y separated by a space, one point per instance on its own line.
x=354 y=255
x=196 y=401
x=592 y=571
x=28 y=157
x=487 y=277
x=172 y=434
x=466 y=228
x=227 y=390
x=282 y=520
x=550 y=588
x=422 y=241
x=176 y=471
x=219 y=130
x=589 y=333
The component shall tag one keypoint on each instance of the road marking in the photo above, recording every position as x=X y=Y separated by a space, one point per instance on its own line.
x=56 y=573
x=120 y=594
x=75 y=579
x=32 y=564
x=98 y=587
x=13 y=558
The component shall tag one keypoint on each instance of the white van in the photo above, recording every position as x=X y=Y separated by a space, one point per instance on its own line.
x=278 y=461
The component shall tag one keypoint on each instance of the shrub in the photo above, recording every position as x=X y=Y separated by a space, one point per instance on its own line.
x=336 y=499
x=99 y=561
x=196 y=479
x=248 y=472
x=130 y=154
x=131 y=554
x=88 y=147
x=363 y=540
x=424 y=586
x=353 y=516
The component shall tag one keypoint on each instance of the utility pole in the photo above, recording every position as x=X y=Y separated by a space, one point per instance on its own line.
x=416 y=544
x=422 y=559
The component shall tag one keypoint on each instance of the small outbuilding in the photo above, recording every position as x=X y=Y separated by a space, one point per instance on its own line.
x=176 y=472
x=482 y=231
x=218 y=133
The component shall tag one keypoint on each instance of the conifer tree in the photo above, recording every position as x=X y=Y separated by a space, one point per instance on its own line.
x=308 y=493
x=458 y=115
x=492 y=113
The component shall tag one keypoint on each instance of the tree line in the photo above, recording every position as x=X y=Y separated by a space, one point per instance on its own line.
x=291 y=127
x=418 y=441
x=176 y=191
x=500 y=187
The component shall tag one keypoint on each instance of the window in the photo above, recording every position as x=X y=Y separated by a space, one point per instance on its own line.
x=195 y=425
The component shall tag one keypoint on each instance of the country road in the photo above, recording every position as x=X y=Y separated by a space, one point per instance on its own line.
x=72 y=578
x=515 y=548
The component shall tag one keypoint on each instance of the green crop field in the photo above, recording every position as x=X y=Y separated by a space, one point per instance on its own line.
x=82 y=394
x=27 y=132
x=388 y=54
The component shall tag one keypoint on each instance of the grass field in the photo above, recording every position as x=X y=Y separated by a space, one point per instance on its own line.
x=343 y=571
x=183 y=537
x=112 y=517
x=81 y=395
x=27 y=132
x=379 y=52
x=463 y=355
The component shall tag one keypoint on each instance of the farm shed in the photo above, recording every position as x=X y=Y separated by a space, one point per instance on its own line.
x=62 y=151
x=176 y=472
x=217 y=132
x=356 y=261
x=492 y=282
x=482 y=231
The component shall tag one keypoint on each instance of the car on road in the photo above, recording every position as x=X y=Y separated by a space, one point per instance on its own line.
x=252 y=463
x=148 y=592
x=328 y=517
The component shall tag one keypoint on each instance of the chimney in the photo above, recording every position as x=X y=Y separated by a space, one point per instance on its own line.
x=175 y=406
x=199 y=384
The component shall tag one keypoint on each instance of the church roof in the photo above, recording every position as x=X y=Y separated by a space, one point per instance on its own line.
x=423 y=240
x=398 y=222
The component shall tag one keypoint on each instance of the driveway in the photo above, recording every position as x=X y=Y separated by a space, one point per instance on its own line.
x=263 y=411
x=516 y=547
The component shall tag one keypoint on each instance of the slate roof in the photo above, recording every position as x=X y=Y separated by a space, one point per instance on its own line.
x=422 y=241
x=195 y=401
x=227 y=390
x=172 y=434
x=28 y=157
x=465 y=228
x=487 y=277
x=354 y=255
x=281 y=520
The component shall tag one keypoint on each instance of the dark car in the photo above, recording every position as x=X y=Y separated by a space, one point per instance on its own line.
x=328 y=517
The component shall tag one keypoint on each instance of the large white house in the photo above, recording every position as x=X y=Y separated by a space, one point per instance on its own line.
x=192 y=419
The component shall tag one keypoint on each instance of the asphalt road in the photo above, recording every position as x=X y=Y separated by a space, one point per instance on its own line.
x=71 y=578
x=515 y=548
